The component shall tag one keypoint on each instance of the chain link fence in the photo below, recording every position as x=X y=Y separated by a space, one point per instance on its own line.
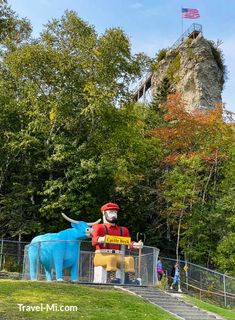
x=12 y=255
x=14 y=258
x=204 y=283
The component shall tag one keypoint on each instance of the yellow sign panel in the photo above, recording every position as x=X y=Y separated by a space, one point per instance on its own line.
x=117 y=240
x=185 y=268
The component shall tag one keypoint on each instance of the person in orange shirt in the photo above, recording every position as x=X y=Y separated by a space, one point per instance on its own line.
x=108 y=256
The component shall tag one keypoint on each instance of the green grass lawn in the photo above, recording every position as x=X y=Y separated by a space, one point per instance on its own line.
x=92 y=303
x=223 y=312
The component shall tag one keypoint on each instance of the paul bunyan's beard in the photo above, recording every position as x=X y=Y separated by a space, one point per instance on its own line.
x=111 y=220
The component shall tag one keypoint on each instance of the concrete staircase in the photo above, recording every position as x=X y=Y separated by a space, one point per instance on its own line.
x=171 y=303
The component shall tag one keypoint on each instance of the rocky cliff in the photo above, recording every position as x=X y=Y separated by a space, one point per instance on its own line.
x=195 y=69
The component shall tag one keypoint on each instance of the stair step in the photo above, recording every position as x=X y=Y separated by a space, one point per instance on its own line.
x=143 y=289
x=154 y=294
x=188 y=312
x=188 y=309
x=167 y=303
x=147 y=291
x=163 y=299
x=166 y=300
x=177 y=308
x=163 y=296
x=158 y=296
x=193 y=316
x=198 y=318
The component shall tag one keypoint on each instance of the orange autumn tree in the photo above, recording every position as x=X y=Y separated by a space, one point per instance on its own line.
x=197 y=132
x=196 y=144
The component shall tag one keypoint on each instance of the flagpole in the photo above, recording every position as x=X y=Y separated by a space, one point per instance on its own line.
x=182 y=24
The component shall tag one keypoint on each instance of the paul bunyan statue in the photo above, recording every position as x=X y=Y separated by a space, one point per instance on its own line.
x=108 y=255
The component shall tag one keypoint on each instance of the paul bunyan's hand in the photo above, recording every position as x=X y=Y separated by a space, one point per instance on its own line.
x=101 y=239
x=138 y=245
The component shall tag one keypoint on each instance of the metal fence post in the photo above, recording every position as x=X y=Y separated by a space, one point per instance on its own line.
x=38 y=260
x=225 y=296
x=90 y=268
x=155 y=257
x=1 y=254
x=79 y=264
x=186 y=270
x=200 y=284
x=19 y=249
x=122 y=264
x=186 y=274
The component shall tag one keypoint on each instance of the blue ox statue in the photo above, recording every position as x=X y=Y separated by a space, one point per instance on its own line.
x=59 y=250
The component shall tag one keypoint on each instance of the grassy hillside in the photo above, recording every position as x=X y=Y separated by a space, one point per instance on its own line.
x=91 y=303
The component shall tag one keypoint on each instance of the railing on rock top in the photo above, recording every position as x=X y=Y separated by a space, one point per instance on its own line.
x=192 y=32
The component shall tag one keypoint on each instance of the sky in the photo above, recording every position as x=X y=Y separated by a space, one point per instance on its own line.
x=151 y=25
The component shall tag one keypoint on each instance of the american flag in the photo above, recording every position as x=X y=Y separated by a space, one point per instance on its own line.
x=190 y=13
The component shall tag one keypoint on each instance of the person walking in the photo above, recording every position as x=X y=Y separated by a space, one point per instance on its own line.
x=159 y=269
x=176 y=277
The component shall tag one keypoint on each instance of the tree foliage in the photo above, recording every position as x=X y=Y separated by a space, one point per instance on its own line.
x=198 y=148
x=71 y=137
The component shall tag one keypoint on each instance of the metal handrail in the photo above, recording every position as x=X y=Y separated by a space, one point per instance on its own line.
x=142 y=82
x=193 y=27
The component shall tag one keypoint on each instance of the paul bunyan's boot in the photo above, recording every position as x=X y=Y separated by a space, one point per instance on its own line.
x=111 y=276
x=130 y=278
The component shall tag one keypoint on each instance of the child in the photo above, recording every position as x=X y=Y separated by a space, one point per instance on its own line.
x=176 y=277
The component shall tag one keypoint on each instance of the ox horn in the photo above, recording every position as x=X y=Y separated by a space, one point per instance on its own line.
x=93 y=223
x=69 y=219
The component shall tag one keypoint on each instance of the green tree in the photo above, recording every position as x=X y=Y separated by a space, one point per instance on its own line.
x=70 y=144
x=224 y=256
x=13 y=30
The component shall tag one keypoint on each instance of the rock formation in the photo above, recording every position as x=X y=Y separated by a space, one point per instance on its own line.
x=195 y=68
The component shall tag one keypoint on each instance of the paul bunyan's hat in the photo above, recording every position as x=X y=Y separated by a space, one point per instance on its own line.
x=110 y=206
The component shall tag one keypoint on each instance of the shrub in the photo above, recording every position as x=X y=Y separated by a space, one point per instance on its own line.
x=11 y=265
